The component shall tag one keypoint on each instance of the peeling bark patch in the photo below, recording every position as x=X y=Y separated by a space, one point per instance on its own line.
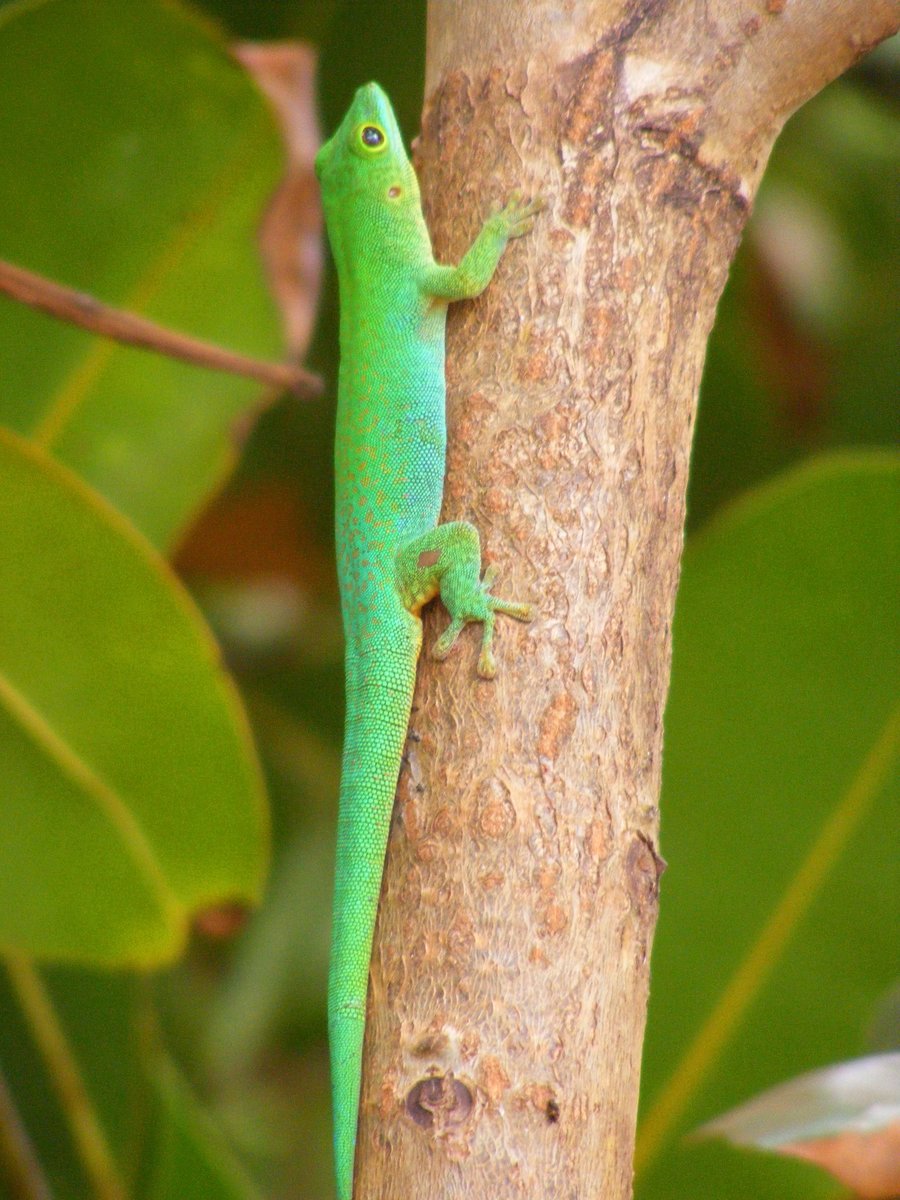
x=432 y=1045
x=557 y=726
x=439 y=1100
x=640 y=12
x=587 y=129
x=589 y=110
x=495 y=816
x=542 y=1097
x=448 y=116
x=461 y=938
x=675 y=170
x=598 y=840
x=536 y=368
x=555 y=919
x=492 y=881
x=537 y=956
x=493 y=1079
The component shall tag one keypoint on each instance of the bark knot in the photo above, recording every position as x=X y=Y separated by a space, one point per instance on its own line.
x=439 y=1102
x=643 y=872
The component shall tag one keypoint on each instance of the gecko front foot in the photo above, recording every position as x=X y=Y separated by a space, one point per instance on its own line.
x=517 y=215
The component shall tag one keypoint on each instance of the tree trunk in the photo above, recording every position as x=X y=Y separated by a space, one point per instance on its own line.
x=509 y=981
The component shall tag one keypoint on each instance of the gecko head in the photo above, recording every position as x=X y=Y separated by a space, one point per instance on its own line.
x=366 y=154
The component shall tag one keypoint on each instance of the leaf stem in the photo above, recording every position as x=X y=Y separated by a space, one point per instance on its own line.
x=78 y=1110
x=78 y=308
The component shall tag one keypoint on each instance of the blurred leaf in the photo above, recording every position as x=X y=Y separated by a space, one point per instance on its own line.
x=276 y=976
x=777 y=933
x=861 y=1096
x=803 y=354
x=307 y=19
x=191 y=1160
x=137 y=157
x=131 y=794
x=99 y=1013
x=281 y=963
x=883 y=1034
x=258 y=532
x=845 y=1118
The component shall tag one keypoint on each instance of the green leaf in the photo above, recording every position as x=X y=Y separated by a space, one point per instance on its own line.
x=777 y=934
x=137 y=158
x=131 y=794
x=191 y=1160
x=104 y=1025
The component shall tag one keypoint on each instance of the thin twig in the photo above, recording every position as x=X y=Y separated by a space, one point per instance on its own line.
x=78 y=1110
x=18 y=1160
x=78 y=308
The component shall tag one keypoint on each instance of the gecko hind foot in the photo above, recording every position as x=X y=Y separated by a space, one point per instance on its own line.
x=484 y=612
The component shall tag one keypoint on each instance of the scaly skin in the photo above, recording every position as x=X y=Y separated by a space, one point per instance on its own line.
x=393 y=557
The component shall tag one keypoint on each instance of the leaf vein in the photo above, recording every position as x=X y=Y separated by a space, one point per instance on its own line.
x=108 y=800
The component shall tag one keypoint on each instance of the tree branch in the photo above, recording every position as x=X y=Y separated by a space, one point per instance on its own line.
x=773 y=56
x=83 y=310
x=510 y=973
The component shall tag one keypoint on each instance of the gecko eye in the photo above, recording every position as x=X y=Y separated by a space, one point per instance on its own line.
x=372 y=137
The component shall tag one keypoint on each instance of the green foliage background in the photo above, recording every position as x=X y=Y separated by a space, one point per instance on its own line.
x=136 y=160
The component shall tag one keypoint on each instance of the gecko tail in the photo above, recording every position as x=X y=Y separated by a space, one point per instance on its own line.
x=378 y=705
x=346 y=1030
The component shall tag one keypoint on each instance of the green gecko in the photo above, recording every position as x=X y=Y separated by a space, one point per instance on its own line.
x=393 y=556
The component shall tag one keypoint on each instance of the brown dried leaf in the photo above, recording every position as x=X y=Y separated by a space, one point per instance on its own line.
x=844 y=1117
x=291 y=233
x=869 y=1163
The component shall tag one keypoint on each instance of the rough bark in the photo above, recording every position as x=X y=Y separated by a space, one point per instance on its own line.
x=510 y=974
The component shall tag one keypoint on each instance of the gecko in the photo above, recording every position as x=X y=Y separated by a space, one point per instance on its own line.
x=393 y=556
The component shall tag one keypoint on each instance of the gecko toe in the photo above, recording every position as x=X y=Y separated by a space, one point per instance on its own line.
x=487 y=665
